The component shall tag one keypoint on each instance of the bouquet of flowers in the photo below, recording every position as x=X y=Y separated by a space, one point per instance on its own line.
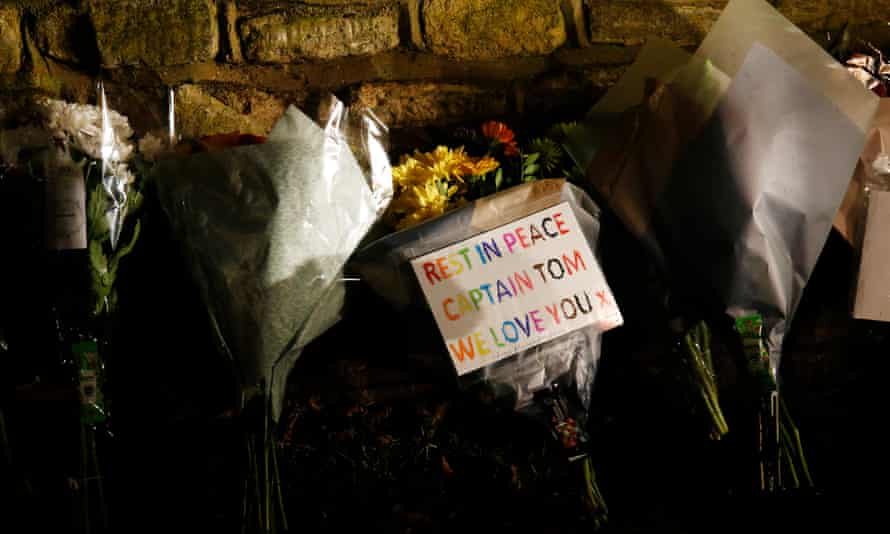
x=84 y=156
x=455 y=210
x=267 y=225
x=69 y=140
x=725 y=168
x=489 y=159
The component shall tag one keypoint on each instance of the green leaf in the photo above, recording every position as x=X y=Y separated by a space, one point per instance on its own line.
x=550 y=151
x=97 y=205
x=134 y=201
x=123 y=251
x=98 y=261
x=112 y=300
x=104 y=272
x=499 y=179
x=531 y=169
x=101 y=289
x=531 y=158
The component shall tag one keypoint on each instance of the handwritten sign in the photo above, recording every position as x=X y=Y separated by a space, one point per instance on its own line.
x=515 y=287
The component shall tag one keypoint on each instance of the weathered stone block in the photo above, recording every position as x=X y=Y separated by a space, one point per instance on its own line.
x=686 y=22
x=422 y=103
x=346 y=2
x=489 y=29
x=10 y=39
x=320 y=33
x=155 y=32
x=65 y=33
x=632 y=22
x=204 y=111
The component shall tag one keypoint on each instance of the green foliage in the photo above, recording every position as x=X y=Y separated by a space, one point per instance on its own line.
x=104 y=265
x=530 y=167
x=97 y=206
x=104 y=260
x=555 y=160
x=550 y=151
x=698 y=358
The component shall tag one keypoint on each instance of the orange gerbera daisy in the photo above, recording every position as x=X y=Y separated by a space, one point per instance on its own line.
x=501 y=134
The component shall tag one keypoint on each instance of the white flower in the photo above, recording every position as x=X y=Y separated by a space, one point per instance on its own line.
x=151 y=147
x=81 y=126
x=66 y=120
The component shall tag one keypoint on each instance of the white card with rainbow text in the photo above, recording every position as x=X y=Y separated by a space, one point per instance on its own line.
x=514 y=287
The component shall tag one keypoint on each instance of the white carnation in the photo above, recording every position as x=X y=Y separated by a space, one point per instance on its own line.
x=81 y=126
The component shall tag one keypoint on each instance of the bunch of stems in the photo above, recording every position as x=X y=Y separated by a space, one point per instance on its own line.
x=697 y=351
x=782 y=462
x=594 y=497
x=262 y=507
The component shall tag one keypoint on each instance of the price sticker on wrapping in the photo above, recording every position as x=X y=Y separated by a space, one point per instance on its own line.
x=514 y=287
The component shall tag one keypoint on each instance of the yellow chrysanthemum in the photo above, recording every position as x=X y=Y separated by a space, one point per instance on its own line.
x=427 y=184
x=418 y=203
x=481 y=166
x=444 y=163
x=409 y=173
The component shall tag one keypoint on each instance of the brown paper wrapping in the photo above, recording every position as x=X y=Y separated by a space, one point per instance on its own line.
x=631 y=170
x=851 y=217
x=873 y=287
x=516 y=203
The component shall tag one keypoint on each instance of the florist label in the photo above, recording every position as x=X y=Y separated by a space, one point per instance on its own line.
x=514 y=287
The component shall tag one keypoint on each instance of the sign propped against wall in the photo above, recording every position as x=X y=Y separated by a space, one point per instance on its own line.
x=514 y=287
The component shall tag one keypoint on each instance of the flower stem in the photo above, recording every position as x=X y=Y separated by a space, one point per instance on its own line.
x=792 y=442
x=267 y=483
x=697 y=345
x=595 y=499
x=277 y=484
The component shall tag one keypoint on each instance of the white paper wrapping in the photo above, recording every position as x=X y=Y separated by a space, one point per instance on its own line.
x=268 y=229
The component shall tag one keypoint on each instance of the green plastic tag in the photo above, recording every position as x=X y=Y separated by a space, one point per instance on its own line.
x=86 y=354
x=750 y=328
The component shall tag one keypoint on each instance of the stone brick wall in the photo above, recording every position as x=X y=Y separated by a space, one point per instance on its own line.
x=236 y=64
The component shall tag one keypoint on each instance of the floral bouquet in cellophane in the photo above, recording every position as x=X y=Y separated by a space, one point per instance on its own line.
x=85 y=161
x=457 y=210
x=65 y=140
x=267 y=225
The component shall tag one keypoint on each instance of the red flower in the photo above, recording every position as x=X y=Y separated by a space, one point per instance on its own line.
x=568 y=432
x=500 y=134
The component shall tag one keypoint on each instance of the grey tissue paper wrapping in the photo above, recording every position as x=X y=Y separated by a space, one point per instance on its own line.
x=267 y=229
